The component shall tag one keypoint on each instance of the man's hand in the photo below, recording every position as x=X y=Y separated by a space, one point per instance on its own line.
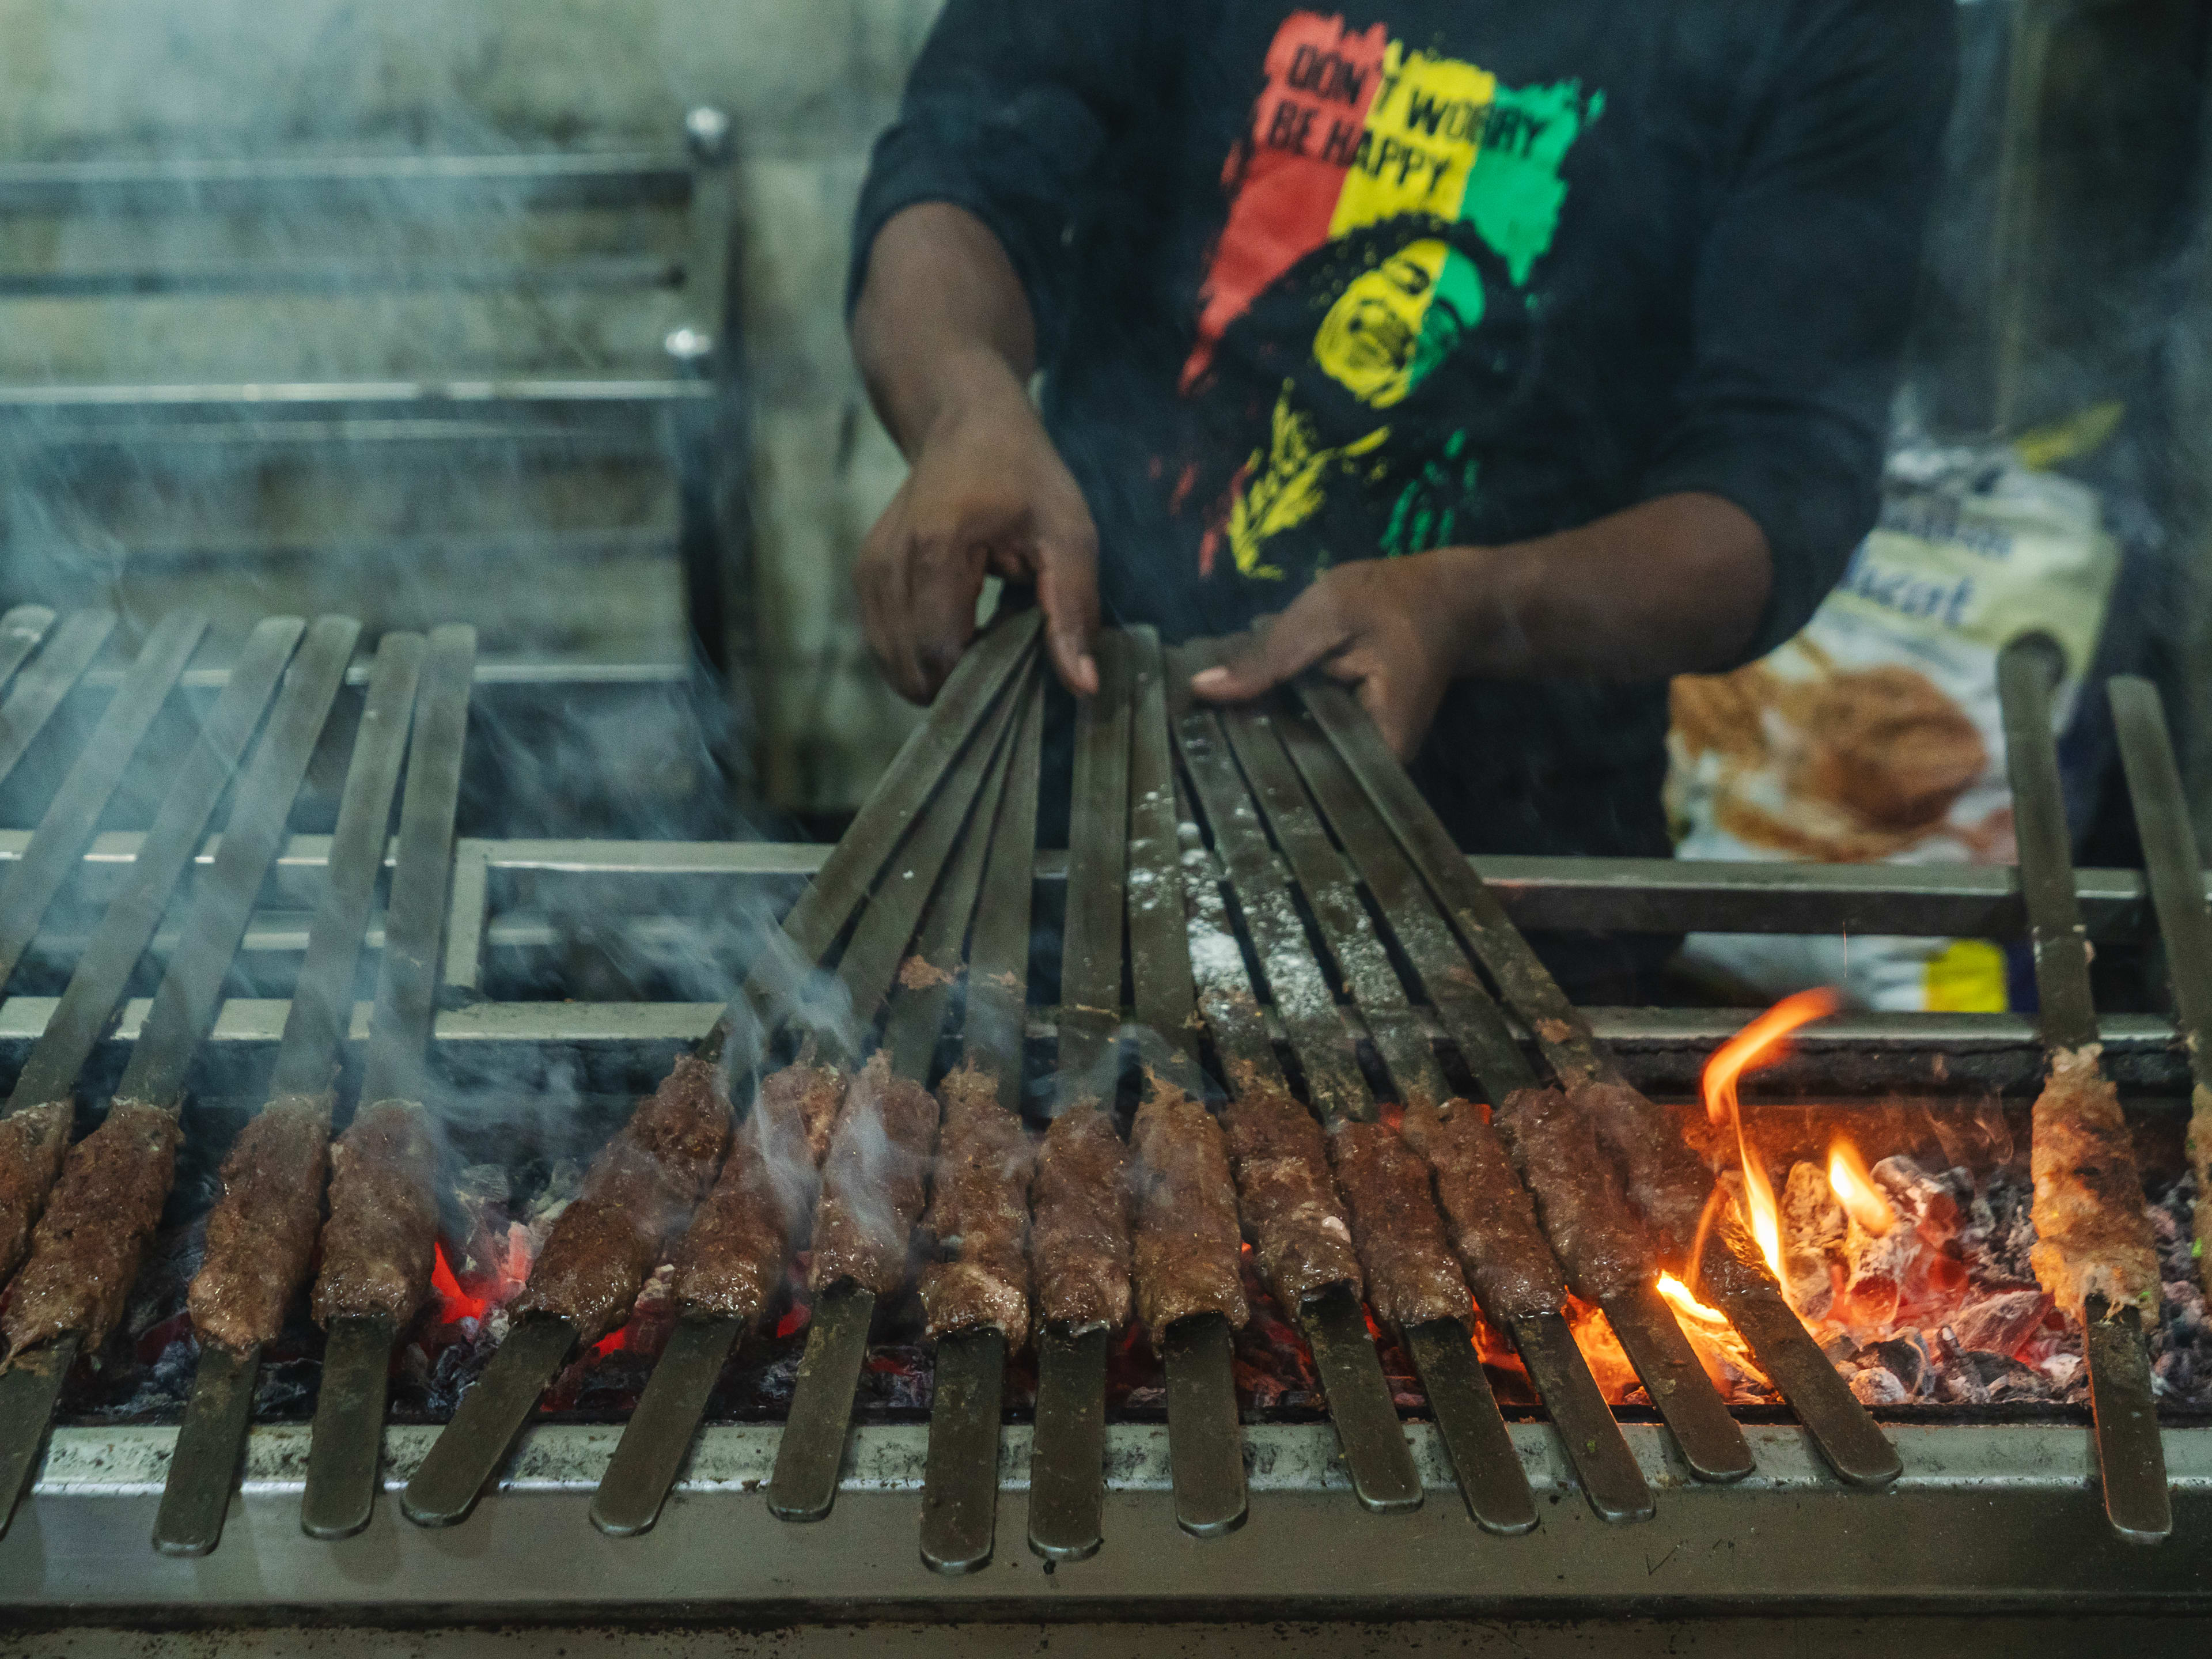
x=944 y=339
x=1381 y=625
x=987 y=492
x=1675 y=584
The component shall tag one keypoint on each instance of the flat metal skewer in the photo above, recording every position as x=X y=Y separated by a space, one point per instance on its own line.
x=488 y=1422
x=73 y=815
x=1360 y=1405
x=30 y=1391
x=1067 y=1446
x=2177 y=888
x=1497 y=1497
x=812 y=1451
x=1612 y=1480
x=33 y=700
x=1205 y=1444
x=1067 y=1458
x=2131 y=1457
x=210 y=1447
x=1710 y=1439
x=658 y=1438
x=345 y=1447
x=960 y=1478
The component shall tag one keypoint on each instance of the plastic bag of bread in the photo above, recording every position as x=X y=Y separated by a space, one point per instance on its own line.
x=1874 y=734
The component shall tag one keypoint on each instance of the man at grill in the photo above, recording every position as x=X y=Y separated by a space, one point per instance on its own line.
x=1507 y=360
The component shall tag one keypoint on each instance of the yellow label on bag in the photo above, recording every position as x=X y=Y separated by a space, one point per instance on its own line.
x=1967 y=978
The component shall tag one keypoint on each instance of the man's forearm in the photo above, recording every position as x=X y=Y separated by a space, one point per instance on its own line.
x=1674 y=586
x=941 y=317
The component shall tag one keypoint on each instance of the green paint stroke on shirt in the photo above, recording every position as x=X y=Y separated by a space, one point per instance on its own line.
x=1514 y=191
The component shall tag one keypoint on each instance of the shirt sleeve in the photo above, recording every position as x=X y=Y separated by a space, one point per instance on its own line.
x=1008 y=110
x=1804 y=287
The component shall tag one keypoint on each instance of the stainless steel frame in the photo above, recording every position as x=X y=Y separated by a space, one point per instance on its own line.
x=1986 y=1517
x=509 y=899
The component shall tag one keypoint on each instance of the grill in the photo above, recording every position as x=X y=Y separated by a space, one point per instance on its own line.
x=565 y=978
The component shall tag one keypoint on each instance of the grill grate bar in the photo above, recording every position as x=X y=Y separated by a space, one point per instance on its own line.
x=32 y=699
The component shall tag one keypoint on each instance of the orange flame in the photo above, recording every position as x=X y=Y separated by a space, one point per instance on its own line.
x=1679 y=1294
x=1853 y=1185
x=453 y=1302
x=1733 y=1058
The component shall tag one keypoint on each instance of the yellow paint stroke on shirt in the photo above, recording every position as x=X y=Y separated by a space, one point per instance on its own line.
x=1423 y=133
x=1288 y=485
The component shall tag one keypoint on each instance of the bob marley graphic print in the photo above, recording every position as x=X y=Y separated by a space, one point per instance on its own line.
x=1389 y=212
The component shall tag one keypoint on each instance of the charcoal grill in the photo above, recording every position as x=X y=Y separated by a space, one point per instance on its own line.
x=574 y=972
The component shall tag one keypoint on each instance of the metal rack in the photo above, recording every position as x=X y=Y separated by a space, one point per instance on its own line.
x=569 y=358
x=511 y=900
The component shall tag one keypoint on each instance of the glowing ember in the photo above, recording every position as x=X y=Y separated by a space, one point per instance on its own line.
x=1679 y=1296
x=1854 y=1187
x=1756 y=1039
x=453 y=1302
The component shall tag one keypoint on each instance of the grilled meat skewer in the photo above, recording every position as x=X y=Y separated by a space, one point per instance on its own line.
x=732 y=1257
x=1285 y=1197
x=639 y=1191
x=1412 y=1279
x=1080 y=1241
x=1598 y=1238
x=874 y=1181
x=1493 y=1223
x=379 y=1244
x=2093 y=1236
x=101 y=1214
x=33 y=1141
x=1187 y=1247
x=261 y=1233
x=976 y=1232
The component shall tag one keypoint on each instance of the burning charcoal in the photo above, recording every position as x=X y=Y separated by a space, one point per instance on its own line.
x=1813 y=1227
x=2001 y=1323
x=1931 y=1204
x=2000 y=1234
x=1906 y=1360
x=1876 y=1385
x=1970 y=1376
x=1876 y=1270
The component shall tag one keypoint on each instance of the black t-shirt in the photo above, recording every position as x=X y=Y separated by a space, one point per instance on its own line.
x=1314 y=285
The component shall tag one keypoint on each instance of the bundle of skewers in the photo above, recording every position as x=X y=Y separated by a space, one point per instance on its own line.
x=1238 y=881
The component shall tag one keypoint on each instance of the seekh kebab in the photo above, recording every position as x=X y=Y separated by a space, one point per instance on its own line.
x=2094 y=1250
x=731 y=1259
x=1666 y=1177
x=673 y=1161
